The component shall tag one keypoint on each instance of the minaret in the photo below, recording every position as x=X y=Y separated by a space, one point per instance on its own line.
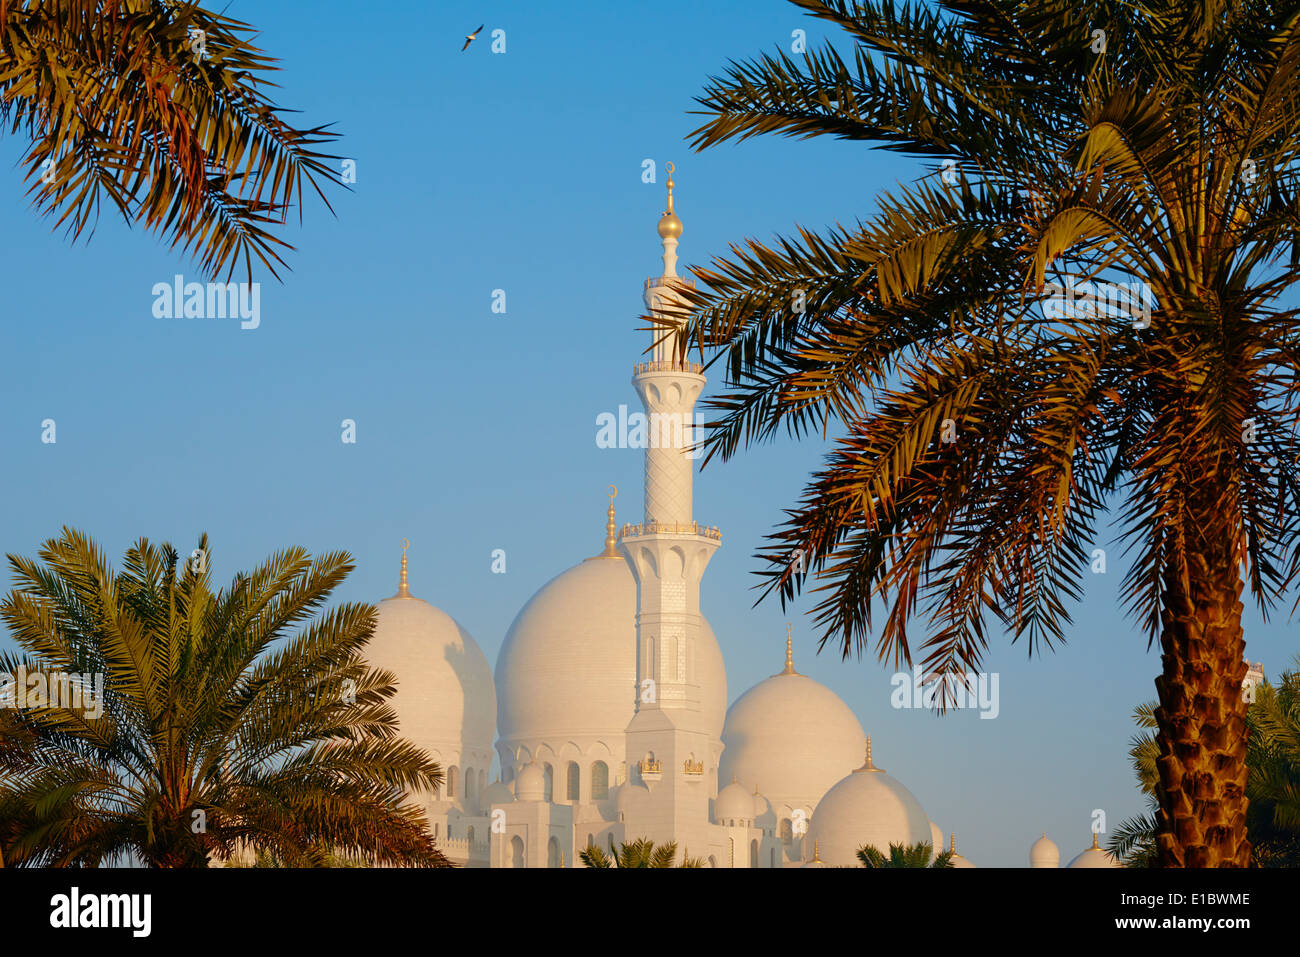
x=668 y=553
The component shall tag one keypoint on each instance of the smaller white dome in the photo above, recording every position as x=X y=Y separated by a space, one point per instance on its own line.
x=498 y=792
x=868 y=807
x=1094 y=857
x=1044 y=853
x=733 y=803
x=531 y=783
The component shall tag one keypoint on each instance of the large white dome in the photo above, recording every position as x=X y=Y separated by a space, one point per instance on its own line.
x=445 y=699
x=792 y=738
x=567 y=667
x=867 y=807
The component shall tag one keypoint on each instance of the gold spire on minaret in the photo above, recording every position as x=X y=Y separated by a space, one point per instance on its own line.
x=669 y=224
x=403 y=589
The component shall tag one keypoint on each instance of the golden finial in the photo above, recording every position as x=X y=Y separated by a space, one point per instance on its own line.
x=670 y=227
x=952 y=845
x=816 y=852
x=611 y=528
x=561 y=860
x=789 y=650
x=869 y=766
x=403 y=589
x=1094 y=842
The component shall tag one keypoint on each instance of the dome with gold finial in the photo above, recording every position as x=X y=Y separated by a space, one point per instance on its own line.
x=792 y=737
x=867 y=807
x=670 y=227
x=445 y=699
x=1094 y=856
x=566 y=673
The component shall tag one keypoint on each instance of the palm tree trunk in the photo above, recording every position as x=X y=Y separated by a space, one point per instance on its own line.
x=1202 y=715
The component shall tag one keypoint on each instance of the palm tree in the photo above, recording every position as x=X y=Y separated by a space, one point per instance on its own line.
x=157 y=109
x=244 y=720
x=904 y=855
x=1272 y=786
x=984 y=416
x=639 y=853
x=1134 y=841
x=1274 y=760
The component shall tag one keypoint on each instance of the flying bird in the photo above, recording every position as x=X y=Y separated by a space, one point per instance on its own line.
x=472 y=37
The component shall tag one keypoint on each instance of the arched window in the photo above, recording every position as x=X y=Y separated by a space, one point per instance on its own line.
x=435 y=830
x=470 y=835
x=713 y=861
x=599 y=781
x=571 y=792
x=591 y=840
x=516 y=851
x=787 y=832
x=753 y=854
x=549 y=792
x=552 y=853
x=451 y=781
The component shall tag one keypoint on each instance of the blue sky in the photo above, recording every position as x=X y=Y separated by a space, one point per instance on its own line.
x=475 y=431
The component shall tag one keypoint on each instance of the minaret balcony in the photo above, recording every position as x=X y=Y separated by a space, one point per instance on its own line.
x=693 y=768
x=655 y=282
x=671 y=528
x=694 y=368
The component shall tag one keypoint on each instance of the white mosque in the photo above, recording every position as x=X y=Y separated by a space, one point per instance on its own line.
x=609 y=701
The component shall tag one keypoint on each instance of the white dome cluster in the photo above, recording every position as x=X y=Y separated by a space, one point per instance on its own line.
x=1045 y=853
x=792 y=738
